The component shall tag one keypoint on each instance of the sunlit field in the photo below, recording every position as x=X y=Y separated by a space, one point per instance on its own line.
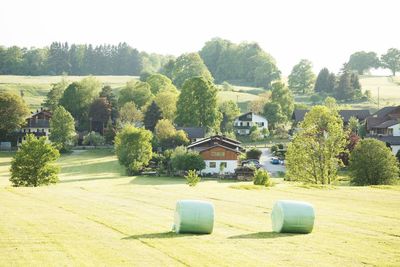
x=97 y=216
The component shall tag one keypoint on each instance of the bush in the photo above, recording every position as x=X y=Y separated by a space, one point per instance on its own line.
x=183 y=160
x=31 y=165
x=192 y=178
x=274 y=148
x=372 y=163
x=256 y=135
x=253 y=153
x=261 y=177
x=94 y=139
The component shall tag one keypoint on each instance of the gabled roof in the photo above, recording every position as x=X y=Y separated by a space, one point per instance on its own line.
x=218 y=145
x=386 y=124
x=244 y=117
x=392 y=140
x=346 y=114
x=193 y=132
x=219 y=138
x=384 y=111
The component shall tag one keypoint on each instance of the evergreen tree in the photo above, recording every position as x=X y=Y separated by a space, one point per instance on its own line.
x=325 y=82
x=152 y=116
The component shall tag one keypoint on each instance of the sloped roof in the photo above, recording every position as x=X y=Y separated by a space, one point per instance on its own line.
x=346 y=114
x=218 y=145
x=220 y=138
x=243 y=117
x=392 y=140
x=386 y=124
x=384 y=111
x=193 y=132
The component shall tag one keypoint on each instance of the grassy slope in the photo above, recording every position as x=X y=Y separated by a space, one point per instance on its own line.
x=96 y=216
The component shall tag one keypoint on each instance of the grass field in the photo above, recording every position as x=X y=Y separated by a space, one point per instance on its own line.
x=96 y=216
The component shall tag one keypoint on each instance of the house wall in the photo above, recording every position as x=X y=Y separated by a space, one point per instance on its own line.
x=231 y=165
x=396 y=129
x=256 y=120
x=395 y=149
x=259 y=119
x=219 y=153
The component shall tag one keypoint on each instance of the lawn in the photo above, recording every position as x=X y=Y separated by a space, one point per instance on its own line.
x=98 y=216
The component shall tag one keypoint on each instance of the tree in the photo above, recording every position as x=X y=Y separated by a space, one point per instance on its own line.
x=159 y=82
x=151 y=116
x=354 y=124
x=192 y=178
x=138 y=92
x=362 y=61
x=302 y=78
x=188 y=66
x=229 y=110
x=54 y=95
x=62 y=129
x=261 y=177
x=13 y=112
x=253 y=153
x=273 y=113
x=284 y=97
x=133 y=148
x=330 y=103
x=129 y=114
x=99 y=113
x=94 y=139
x=312 y=155
x=166 y=100
x=107 y=92
x=183 y=160
x=352 y=141
x=168 y=137
x=349 y=87
x=325 y=82
x=197 y=104
x=372 y=163
x=391 y=60
x=109 y=133
x=32 y=164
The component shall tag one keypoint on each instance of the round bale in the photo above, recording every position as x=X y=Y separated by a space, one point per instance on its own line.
x=290 y=216
x=194 y=216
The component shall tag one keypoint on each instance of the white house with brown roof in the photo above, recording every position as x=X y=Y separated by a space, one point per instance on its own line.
x=38 y=123
x=246 y=121
x=221 y=154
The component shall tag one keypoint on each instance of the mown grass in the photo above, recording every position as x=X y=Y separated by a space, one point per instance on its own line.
x=98 y=216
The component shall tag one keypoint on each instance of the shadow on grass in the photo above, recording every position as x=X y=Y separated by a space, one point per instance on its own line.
x=91 y=179
x=157 y=235
x=157 y=180
x=261 y=235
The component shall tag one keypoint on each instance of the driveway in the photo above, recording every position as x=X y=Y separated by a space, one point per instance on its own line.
x=265 y=161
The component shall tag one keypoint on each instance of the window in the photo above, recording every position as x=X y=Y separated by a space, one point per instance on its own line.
x=218 y=154
x=213 y=164
x=223 y=165
x=42 y=130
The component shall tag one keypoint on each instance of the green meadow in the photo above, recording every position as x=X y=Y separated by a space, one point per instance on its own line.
x=98 y=216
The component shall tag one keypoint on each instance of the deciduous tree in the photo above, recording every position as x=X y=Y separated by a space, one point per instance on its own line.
x=362 y=61
x=13 y=112
x=391 y=60
x=62 y=129
x=302 y=78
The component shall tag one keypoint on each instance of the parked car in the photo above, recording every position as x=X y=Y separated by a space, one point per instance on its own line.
x=275 y=161
x=251 y=162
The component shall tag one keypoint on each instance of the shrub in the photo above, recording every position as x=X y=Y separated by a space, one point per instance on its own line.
x=261 y=177
x=94 y=139
x=192 y=178
x=253 y=153
x=274 y=148
x=372 y=163
x=31 y=165
x=183 y=160
x=256 y=135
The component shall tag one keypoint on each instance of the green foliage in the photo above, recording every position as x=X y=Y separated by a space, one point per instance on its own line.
x=62 y=129
x=166 y=100
x=152 y=116
x=183 y=160
x=133 y=148
x=159 y=82
x=107 y=92
x=94 y=139
x=138 y=92
x=302 y=78
x=372 y=163
x=54 y=95
x=261 y=177
x=354 y=124
x=188 y=66
x=229 y=110
x=312 y=155
x=13 y=111
x=129 y=114
x=362 y=61
x=273 y=113
x=391 y=60
x=284 y=97
x=192 y=178
x=244 y=63
x=325 y=82
x=253 y=153
x=256 y=135
x=362 y=131
x=167 y=136
x=197 y=104
x=109 y=133
x=32 y=166
x=100 y=111
x=349 y=87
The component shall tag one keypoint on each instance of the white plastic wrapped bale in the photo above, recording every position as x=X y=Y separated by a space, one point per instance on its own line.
x=290 y=216
x=194 y=216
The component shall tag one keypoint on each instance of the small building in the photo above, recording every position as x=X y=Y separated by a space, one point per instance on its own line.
x=37 y=123
x=194 y=133
x=360 y=114
x=221 y=154
x=245 y=122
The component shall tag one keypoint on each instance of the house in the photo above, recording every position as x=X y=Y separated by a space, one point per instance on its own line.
x=384 y=125
x=245 y=122
x=221 y=154
x=361 y=115
x=37 y=123
x=193 y=133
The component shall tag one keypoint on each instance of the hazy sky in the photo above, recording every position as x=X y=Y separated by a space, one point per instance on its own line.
x=325 y=31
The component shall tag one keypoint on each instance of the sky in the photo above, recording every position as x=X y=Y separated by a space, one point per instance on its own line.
x=326 y=32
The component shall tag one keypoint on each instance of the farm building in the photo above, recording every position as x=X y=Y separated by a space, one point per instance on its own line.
x=37 y=123
x=221 y=154
x=245 y=122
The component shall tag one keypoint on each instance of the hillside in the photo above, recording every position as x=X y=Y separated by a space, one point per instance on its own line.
x=98 y=216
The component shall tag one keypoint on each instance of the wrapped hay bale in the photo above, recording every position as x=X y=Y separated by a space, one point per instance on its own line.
x=194 y=216
x=292 y=217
